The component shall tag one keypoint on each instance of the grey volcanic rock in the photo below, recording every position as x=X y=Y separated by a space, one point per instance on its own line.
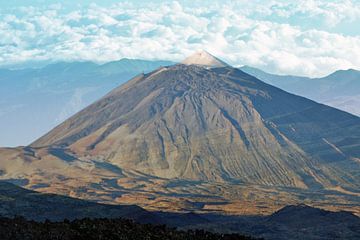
x=215 y=124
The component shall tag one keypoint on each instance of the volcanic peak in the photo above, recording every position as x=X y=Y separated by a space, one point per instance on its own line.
x=203 y=58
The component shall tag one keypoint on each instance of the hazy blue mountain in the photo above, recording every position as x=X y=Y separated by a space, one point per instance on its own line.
x=340 y=89
x=33 y=101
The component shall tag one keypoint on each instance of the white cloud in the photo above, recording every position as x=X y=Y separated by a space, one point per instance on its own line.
x=278 y=36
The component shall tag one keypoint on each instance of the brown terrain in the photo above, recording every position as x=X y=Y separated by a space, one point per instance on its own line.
x=50 y=216
x=200 y=136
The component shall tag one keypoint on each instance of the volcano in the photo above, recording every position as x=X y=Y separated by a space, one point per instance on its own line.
x=200 y=120
x=205 y=120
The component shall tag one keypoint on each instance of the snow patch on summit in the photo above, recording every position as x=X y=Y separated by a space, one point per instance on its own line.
x=203 y=58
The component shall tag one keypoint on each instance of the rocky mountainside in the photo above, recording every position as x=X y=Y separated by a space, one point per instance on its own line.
x=218 y=124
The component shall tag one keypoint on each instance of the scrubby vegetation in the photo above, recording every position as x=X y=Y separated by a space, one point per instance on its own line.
x=88 y=229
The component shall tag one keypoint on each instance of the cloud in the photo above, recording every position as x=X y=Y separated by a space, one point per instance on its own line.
x=290 y=37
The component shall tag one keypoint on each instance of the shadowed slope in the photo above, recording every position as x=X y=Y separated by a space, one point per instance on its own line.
x=290 y=222
x=16 y=201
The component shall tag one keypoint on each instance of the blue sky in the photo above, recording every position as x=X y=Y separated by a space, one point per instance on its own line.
x=311 y=38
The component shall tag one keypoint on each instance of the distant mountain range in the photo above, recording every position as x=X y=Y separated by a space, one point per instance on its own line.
x=340 y=89
x=290 y=222
x=35 y=100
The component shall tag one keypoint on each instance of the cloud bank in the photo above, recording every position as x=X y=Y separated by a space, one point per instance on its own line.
x=311 y=38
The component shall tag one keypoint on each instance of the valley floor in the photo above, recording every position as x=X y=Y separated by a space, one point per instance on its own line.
x=157 y=194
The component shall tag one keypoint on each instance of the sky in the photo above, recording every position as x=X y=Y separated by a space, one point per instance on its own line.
x=302 y=37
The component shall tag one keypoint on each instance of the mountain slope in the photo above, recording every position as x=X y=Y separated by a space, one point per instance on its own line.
x=218 y=124
x=340 y=89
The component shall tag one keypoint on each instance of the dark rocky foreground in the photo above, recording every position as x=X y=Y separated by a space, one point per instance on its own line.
x=87 y=229
x=291 y=222
x=17 y=201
